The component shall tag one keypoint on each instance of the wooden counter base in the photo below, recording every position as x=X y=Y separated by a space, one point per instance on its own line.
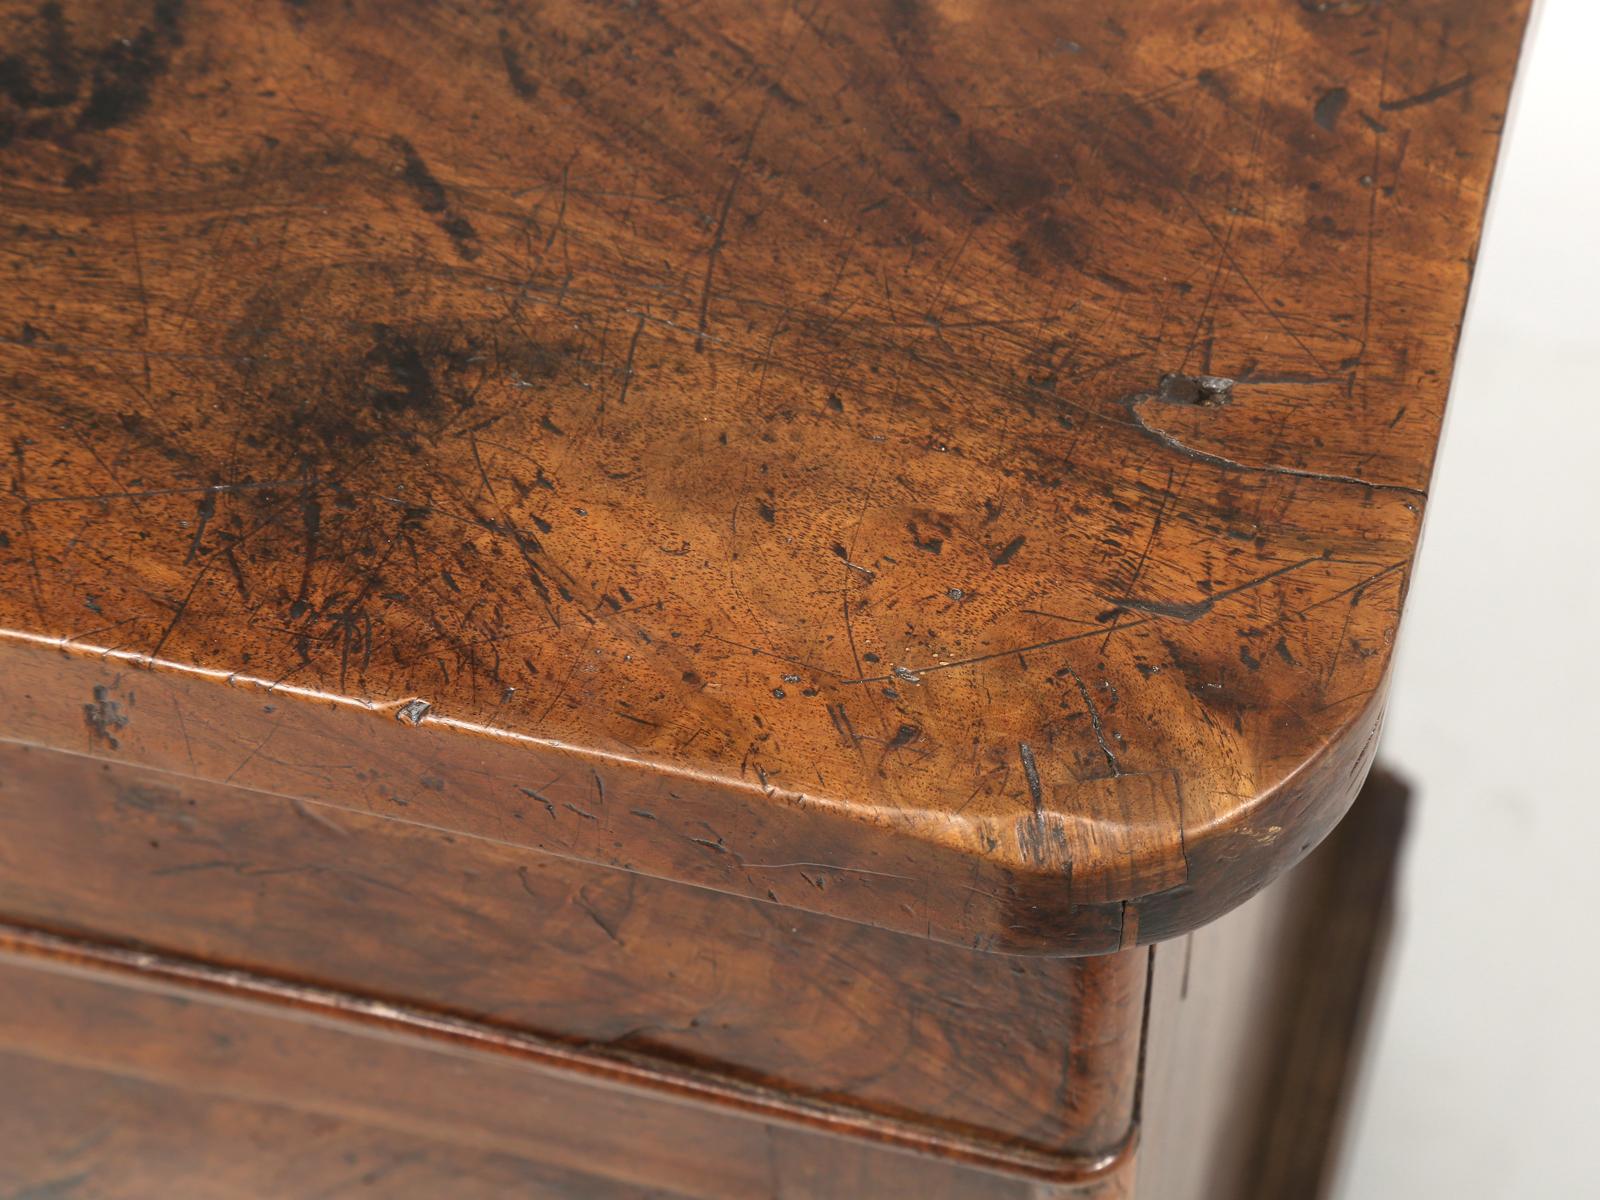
x=140 y=1074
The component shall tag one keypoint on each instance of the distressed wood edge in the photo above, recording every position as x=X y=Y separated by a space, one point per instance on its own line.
x=928 y=886
x=1273 y=834
x=190 y=979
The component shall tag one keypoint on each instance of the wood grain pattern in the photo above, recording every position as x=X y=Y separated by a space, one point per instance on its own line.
x=976 y=450
x=498 y=1102
x=136 y=1074
x=993 y=1049
x=93 y=1135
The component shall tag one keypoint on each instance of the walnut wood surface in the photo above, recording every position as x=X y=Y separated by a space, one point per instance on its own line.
x=137 y=1074
x=998 y=1050
x=792 y=421
x=93 y=1135
x=252 y=1061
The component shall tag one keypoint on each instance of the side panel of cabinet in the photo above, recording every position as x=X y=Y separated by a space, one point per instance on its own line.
x=1257 y=1022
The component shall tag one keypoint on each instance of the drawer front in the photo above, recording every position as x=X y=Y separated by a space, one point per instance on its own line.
x=93 y=1134
x=129 y=1076
x=1027 y=1051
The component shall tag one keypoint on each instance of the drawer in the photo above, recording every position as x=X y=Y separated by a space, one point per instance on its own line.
x=999 y=1050
x=145 y=1078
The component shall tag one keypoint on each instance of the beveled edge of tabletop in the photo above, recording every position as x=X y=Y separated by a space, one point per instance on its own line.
x=724 y=834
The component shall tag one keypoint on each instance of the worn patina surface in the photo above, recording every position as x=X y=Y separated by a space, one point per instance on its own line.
x=954 y=466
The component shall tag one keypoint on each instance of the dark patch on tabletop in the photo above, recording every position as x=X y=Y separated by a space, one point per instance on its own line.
x=82 y=175
x=1214 y=84
x=1012 y=176
x=1007 y=552
x=517 y=75
x=1329 y=106
x=904 y=736
x=387 y=383
x=57 y=84
x=930 y=542
x=126 y=70
x=397 y=378
x=433 y=199
x=1049 y=241
x=430 y=192
x=46 y=75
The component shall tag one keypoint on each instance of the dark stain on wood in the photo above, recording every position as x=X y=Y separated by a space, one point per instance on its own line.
x=334 y=382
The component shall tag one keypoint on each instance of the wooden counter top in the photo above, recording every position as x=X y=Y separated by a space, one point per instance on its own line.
x=954 y=467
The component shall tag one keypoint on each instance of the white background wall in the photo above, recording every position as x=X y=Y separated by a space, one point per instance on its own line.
x=1485 y=1075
